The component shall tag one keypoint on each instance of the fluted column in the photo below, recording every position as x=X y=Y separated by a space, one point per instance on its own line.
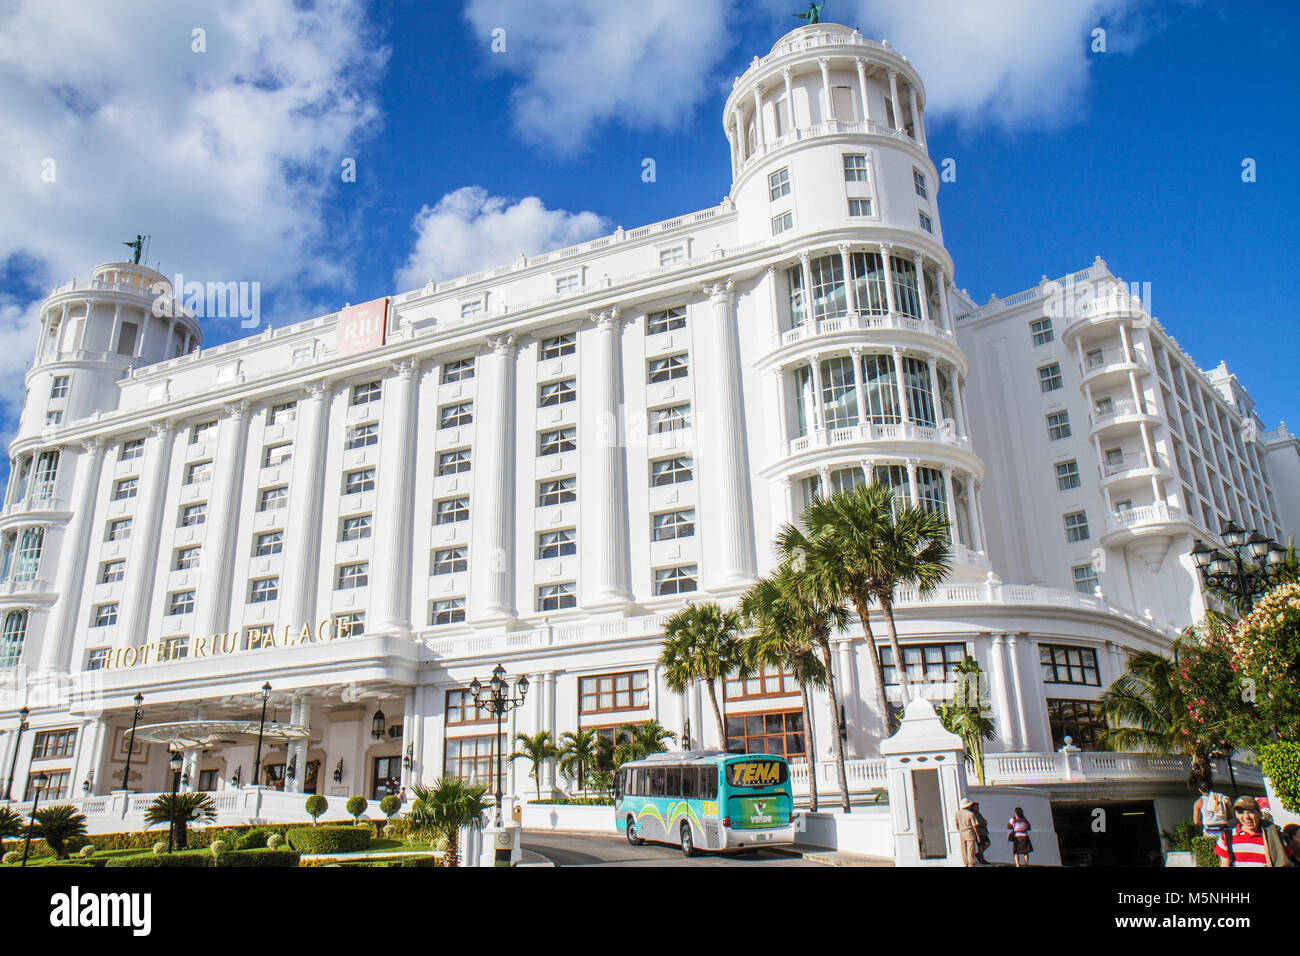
x=859 y=394
x=828 y=112
x=934 y=390
x=893 y=98
x=919 y=135
x=913 y=497
x=302 y=546
x=805 y=272
x=57 y=649
x=819 y=412
x=945 y=314
x=390 y=579
x=758 y=118
x=897 y=354
x=850 y=292
x=957 y=411
x=722 y=456
x=492 y=528
x=789 y=98
x=143 y=566
x=602 y=489
x=212 y=609
x=887 y=267
x=919 y=262
x=1006 y=716
x=742 y=153
x=950 y=506
x=862 y=89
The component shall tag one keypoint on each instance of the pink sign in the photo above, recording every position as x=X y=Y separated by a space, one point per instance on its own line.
x=362 y=327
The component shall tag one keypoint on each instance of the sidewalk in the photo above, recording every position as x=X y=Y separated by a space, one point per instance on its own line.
x=829 y=857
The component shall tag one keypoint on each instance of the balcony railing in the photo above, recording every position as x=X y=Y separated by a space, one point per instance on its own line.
x=1118 y=466
x=903 y=431
x=829 y=128
x=1123 y=408
x=1158 y=513
x=1105 y=358
x=854 y=322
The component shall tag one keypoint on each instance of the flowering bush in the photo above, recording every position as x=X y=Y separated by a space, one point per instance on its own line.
x=1265 y=647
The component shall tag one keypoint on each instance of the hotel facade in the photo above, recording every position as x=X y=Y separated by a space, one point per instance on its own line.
x=535 y=465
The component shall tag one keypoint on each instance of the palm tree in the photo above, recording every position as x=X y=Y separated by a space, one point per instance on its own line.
x=536 y=749
x=966 y=718
x=58 y=824
x=578 y=754
x=11 y=823
x=702 y=642
x=638 y=741
x=783 y=640
x=441 y=810
x=188 y=808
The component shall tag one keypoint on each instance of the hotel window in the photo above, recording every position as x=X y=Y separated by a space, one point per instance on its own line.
x=131 y=450
x=778 y=732
x=282 y=414
x=859 y=207
x=677 y=580
x=207 y=781
x=1080 y=720
x=180 y=602
x=670 y=471
x=472 y=759
x=355 y=528
x=1058 y=425
x=903 y=276
x=355 y=482
x=569 y=283
x=670 y=257
x=768 y=682
x=303 y=353
x=366 y=393
x=450 y=510
x=47 y=471
x=665 y=321
x=118 y=530
x=453 y=416
x=926 y=222
x=556 y=544
x=459 y=371
x=453 y=462
x=264 y=590
x=556 y=393
x=671 y=419
x=349 y=625
x=855 y=168
x=268 y=543
x=916 y=388
x=918 y=180
x=1067 y=475
x=187 y=559
x=450 y=611
x=54 y=418
x=198 y=472
x=557 y=441
x=565 y=344
x=272 y=498
x=54 y=743
x=56 y=781
x=1069 y=665
x=1106 y=406
x=450 y=560
x=352 y=576
x=667 y=369
x=30 y=545
x=1049 y=377
x=59 y=387
x=556 y=492
x=839 y=397
x=276 y=455
x=672 y=525
x=880 y=389
x=194 y=515
x=362 y=436
x=778 y=184
x=104 y=615
x=1076 y=526
x=112 y=572
x=203 y=432
x=611 y=693
x=554 y=597
x=469 y=310
x=461 y=709
x=930 y=493
x=1085 y=579
x=925 y=663
x=1041 y=330
x=11 y=639
x=782 y=223
x=96 y=660
x=125 y=488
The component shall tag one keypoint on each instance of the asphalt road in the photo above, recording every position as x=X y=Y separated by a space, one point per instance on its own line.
x=572 y=849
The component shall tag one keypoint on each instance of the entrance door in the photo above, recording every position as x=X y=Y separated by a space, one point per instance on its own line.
x=930 y=831
x=388 y=777
x=1126 y=836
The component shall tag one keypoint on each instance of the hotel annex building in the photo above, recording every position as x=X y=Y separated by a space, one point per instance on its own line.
x=534 y=465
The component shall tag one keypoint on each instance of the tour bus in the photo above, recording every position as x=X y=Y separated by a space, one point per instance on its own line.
x=706 y=800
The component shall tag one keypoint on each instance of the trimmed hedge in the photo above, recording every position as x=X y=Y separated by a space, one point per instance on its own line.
x=186 y=858
x=197 y=838
x=204 y=859
x=273 y=858
x=330 y=839
x=1203 y=851
x=579 y=801
x=404 y=861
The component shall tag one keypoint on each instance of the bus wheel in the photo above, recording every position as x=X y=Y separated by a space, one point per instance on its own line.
x=688 y=842
x=632 y=837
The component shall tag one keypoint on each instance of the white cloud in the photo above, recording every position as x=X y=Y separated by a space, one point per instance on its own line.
x=469 y=230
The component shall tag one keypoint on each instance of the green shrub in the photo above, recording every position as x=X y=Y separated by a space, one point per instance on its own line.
x=355 y=807
x=377 y=861
x=252 y=839
x=86 y=852
x=186 y=858
x=274 y=841
x=390 y=805
x=1180 y=841
x=159 y=848
x=580 y=801
x=13 y=856
x=217 y=848
x=270 y=858
x=316 y=805
x=330 y=839
x=1203 y=851
x=1281 y=764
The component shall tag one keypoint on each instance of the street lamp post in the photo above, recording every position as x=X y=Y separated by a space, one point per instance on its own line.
x=176 y=763
x=499 y=702
x=261 y=725
x=39 y=783
x=130 y=749
x=13 y=762
x=1252 y=563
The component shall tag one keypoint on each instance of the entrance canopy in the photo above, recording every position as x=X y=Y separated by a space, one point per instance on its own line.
x=187 y=734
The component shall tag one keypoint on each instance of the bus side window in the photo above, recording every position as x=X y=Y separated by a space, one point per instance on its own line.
x=690 y=787
x=642 y=782
x=657 y=782
x=709 y=790
x=620 y=783
x=674 y=781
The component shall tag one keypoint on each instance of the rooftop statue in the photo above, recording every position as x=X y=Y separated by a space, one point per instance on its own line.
x=135 y=248
x=814 y=14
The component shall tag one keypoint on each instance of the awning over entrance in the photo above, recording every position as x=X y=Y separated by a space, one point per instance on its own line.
x=187 y=734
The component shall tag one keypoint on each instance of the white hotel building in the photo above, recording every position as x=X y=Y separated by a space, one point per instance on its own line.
x=539 y=462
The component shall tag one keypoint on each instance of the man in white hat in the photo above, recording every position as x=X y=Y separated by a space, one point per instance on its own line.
x=968 y=829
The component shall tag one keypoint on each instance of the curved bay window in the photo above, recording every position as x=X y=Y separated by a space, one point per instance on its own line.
x=11 y=639
x=29 y=554
x=839 y=396
x=895 y=476
x=881 y=389
x=930 y=493
x=916 y=386
x=869 y=283
x=907 y=299
x=47 y=470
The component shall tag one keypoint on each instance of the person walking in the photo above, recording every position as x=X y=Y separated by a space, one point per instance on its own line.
x=968 y=831
x=1021 y=846
x=1211 y=811
x=1253 y=841
x=982 y=842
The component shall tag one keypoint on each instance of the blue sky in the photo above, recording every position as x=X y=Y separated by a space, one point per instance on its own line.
x=466 y=157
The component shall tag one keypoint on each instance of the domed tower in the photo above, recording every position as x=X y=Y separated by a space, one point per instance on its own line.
x=92 y=333
x=828 y=157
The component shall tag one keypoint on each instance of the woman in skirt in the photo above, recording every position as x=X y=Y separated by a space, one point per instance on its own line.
x=1019 y=837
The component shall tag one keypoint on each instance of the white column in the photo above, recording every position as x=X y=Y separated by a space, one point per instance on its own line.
x=218 y=560
x=758 y=119
x=859 y=393
x=57 y=650
x=862 y=90
x=142 y=568
x=977 y=516
x=957 y=411
x=789 y=98
x=390 y=578
x=827 y=112
x=911 y=483
x=916 y=116
x=492 y=530
x=735 y=155
x=788 y=498
x=903 y=416
x=723 y=458
x=848 y=695
x=742 y=152
x=934 y=390
x=818 y=411
x=302 y=547
x=950 y=503
x=919 y=262
x=887 y=267
x=850 y=293
x=805 y=271
x=602 y=490
x=548 y=718
x=1019 y=693
x=945 y=314
x=1006 y=716
x=893 y=98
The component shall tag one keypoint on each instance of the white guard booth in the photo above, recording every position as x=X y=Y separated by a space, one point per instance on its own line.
x=927 y=783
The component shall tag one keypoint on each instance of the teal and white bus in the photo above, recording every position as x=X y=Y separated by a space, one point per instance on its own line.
x=706 y=800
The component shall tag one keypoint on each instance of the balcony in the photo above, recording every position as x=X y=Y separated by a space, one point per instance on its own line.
x=1117 y=472
x=1103 y=310
x=1123 y=412
x=1105 y=366
x=829 y=128
x=869 y=433
x=857 y=322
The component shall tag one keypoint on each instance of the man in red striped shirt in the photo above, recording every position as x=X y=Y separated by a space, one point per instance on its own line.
x=1253 y=842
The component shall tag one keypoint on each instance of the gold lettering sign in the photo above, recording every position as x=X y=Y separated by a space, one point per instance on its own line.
x=170 y=649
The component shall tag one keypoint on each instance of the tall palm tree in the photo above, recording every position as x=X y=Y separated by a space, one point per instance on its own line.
x=702 y=643
x=188 y=808
x=967 y=719
x=578 y=754
x=783 y=628
x=446 y=807
x=58 y=824
x=536 y=749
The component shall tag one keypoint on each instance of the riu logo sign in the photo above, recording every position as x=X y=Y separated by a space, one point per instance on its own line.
x=756 y=773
